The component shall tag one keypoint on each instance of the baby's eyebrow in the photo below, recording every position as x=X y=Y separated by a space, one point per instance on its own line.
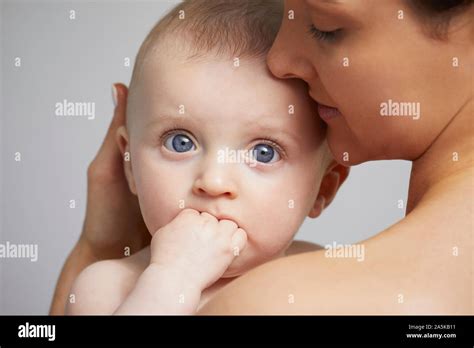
x=261 y=124
x=169 y=118
x=271 y=127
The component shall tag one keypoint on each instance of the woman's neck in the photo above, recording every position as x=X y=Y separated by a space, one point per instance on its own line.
x=451 y=155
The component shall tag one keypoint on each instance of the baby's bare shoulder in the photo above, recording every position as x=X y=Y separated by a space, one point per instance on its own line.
x=101 y=287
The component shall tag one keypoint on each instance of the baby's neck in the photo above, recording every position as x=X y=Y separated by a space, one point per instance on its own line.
x=447 y=161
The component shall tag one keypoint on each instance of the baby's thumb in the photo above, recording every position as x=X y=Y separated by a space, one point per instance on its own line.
x=239 y=240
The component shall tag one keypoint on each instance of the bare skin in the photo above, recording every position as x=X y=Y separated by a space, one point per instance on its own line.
x=115 y=236
x=195 y=246
x=114 y=280
x=422 y=264
x=112 y=216
x=413 y=258
x=386 y=271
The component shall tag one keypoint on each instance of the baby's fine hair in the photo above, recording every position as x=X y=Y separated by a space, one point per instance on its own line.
x=231 y=28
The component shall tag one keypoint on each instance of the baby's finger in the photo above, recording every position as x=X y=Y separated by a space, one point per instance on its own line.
x=188 y=212
x=239 y=241
x=208 y=217
x=228 y=226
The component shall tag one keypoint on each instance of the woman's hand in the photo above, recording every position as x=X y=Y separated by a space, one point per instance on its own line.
x=113 y=221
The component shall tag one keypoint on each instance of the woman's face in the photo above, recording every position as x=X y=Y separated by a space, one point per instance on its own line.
x=394 y=86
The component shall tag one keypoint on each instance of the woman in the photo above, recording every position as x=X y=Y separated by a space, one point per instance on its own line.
x=393 y=80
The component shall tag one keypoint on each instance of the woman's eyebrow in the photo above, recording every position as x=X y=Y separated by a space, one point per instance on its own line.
x=325 y=3
x=335 y=2
x=329 y=6
x=334 y=9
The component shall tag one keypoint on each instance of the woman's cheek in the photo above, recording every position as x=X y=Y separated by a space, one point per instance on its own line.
x=350 y=140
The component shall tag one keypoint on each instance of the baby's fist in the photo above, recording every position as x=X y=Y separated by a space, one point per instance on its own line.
x=197 y=246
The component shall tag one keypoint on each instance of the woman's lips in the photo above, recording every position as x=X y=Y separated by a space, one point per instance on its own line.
x=327 y=112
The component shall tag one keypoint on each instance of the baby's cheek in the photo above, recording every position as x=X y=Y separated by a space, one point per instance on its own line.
x=273 y=234
x=155 y=209
x=272 y=225
x=159 y=194
x=286 y=213
x=265 y=242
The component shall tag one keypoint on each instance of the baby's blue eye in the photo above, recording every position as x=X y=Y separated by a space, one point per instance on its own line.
x=179 y=143
x=265 y=153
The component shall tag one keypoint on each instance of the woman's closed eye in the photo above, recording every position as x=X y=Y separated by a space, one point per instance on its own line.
x=321 y=35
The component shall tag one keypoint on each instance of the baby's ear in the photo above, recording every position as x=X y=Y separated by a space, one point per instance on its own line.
x=124 y=145
x=332 y=180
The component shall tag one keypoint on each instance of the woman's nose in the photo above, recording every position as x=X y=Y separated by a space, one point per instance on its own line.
x=278 y=66
x=215 y=180
x=285 y=59
x=287 y=65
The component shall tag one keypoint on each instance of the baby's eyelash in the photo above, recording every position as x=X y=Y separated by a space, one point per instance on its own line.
x=273 y=142
x=172 y=130
x=265 y=140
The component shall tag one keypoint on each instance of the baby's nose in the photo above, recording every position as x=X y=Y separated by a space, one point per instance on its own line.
x=216 y=179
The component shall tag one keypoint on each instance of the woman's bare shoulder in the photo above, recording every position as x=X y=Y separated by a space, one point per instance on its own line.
x=317 y=283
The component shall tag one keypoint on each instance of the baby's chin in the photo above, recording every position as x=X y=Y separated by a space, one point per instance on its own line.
x=235 y=272
x=239 y=266
x=243 y=264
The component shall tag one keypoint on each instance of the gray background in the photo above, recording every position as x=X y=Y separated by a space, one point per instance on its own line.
x=78 y=60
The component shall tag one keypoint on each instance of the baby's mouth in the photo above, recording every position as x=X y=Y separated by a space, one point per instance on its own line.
x=220 y=216
x=223 y=217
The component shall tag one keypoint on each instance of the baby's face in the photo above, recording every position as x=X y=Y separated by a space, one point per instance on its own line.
x=190 y=119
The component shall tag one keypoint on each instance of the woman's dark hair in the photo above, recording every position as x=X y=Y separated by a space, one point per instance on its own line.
x=437 y=14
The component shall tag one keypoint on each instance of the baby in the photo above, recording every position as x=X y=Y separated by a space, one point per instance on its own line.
x=226 y=161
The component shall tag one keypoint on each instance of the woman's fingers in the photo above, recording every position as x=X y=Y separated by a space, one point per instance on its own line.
x=113 y=219
x=118 y=118
x=107 y=164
